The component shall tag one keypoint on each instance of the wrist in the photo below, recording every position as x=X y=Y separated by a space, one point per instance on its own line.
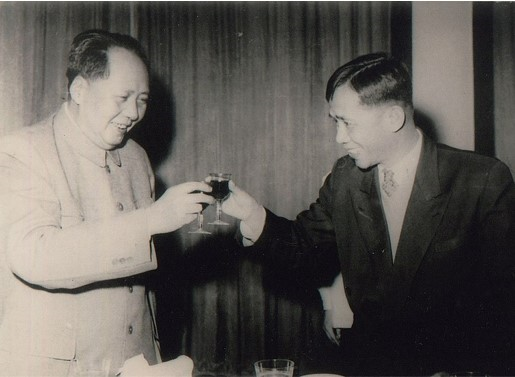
x=147 y=218
x=252 y=225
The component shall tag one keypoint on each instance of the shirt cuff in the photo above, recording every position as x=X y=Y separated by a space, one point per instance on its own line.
x=325 y=295
x=252 y=227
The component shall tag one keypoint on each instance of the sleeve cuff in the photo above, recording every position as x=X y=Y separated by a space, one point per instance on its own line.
x=252 y=227
x=325 y=295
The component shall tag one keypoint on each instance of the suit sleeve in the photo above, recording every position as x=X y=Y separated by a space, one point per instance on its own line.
x=497 y=238
x=306 y=247
x=41 y=251
x=497 y=224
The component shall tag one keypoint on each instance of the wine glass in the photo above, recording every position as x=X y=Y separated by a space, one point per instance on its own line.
x=200 y=218
x=220 y=184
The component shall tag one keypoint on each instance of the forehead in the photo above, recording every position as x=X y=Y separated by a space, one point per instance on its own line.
x=126 y=67
x=345 y=100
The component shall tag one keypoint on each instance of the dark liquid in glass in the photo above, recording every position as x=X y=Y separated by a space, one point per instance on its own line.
x=220 y=189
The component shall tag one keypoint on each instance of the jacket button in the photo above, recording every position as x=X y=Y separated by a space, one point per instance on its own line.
x=119 y=206
x=130 y=329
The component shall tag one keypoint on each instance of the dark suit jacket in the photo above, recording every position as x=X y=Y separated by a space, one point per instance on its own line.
x=447 y=301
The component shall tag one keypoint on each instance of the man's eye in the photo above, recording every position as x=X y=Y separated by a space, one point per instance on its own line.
x=143 y=101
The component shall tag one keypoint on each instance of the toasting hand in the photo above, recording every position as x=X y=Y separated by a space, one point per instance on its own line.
x=240 y=204
x=178 y=206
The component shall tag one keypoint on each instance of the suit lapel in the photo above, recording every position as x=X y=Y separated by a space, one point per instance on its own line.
x=369 y=215
x=424 y=213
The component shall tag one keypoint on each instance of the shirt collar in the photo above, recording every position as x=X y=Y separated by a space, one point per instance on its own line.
x=84 y=146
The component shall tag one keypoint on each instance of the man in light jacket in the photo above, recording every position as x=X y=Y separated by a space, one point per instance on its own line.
x=78 y=215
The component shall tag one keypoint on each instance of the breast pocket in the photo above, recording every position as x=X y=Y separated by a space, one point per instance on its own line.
x=453 y=243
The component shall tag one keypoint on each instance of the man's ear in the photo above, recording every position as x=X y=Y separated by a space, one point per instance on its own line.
x=395 y=118
x=77 y=88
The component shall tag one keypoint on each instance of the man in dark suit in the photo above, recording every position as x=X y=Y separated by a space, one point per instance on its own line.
x=422 y=233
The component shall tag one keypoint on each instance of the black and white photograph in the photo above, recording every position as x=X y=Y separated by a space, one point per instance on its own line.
x=257 y=188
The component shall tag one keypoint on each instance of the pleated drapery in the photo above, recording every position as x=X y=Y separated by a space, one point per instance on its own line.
x=238 y=87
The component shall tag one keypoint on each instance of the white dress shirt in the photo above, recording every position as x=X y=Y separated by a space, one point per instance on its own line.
x=394 y=205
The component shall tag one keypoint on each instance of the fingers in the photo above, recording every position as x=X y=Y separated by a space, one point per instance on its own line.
x=201 y=198
x=189 y=187
x=191 y=209
x=338 y=335
x=330 y=334
x=178 y=206
x=235 y=189
x=190 y=217
x=236 y=192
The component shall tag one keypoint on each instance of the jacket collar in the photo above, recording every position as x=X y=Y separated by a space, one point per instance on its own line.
x=424 y=214
x=427 y=178
x=69 y=131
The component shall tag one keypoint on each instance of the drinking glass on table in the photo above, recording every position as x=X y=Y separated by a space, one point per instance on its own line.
x=220 y=184
x=274 y=368
x=200 y=217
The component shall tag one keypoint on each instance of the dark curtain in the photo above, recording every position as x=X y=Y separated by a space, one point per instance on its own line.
x=237 y=87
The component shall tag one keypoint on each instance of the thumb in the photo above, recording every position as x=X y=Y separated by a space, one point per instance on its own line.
x=234 y=189
x=240 y=196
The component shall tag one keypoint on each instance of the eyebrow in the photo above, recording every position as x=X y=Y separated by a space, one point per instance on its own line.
x=131 y=92
x=142 y=94
x=337 y=117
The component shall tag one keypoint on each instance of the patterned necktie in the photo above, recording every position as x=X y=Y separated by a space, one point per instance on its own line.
x=389 y=185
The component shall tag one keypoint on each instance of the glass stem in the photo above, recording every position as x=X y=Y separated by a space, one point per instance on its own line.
x=200 y=220
x=218 y=210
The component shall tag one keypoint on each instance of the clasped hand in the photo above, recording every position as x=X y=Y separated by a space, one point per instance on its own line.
x=334 y=334
x=180 y=204
x=177 y=206
x=240 y=204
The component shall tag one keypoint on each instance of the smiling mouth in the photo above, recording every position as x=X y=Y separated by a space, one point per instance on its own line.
x=122 y=127
x=352 y=152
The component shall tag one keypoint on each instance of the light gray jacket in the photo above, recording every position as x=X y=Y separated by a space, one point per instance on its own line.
x=71 y=275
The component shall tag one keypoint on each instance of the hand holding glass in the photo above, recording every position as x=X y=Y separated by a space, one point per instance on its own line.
x=220 y=184
x=200 y=217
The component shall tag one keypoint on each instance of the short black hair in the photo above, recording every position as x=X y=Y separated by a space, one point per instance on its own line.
x=88 y=55
x=376 y=77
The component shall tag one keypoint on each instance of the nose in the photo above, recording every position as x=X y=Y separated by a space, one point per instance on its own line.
x=342 y=136
x=132 y=110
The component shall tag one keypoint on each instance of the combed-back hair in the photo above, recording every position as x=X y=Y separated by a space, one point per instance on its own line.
x=88 y=55
x=376 y=78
